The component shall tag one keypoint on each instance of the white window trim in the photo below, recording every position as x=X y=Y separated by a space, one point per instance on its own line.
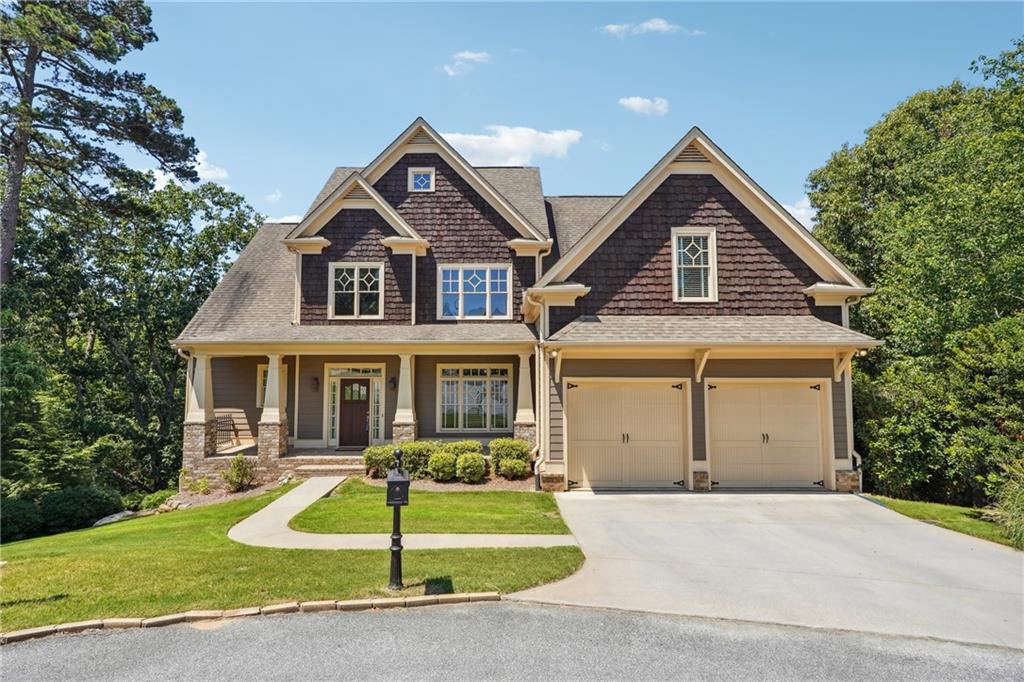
x=441 y=267
x=708 y=232
x=487 y=400
x=330 y=383
x=330 y=291
x=433 y=179
x=261 y=390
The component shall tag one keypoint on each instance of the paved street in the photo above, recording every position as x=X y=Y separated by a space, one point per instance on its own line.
x=497 y=641
x=817 y=560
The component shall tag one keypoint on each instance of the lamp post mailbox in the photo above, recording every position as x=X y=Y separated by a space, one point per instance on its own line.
x=397 y=497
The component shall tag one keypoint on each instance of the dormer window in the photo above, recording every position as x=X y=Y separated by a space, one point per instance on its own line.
x=421 y=179
x=356 y=291
x=695 y=265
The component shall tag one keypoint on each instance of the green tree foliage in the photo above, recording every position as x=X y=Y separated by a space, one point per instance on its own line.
x=930 y=210
x=64 y=111
x=96 y=300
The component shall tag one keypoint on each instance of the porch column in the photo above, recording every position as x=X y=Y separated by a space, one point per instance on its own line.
x=525 y=426
x=272 y=440
x=199 y=439
x=404 y=426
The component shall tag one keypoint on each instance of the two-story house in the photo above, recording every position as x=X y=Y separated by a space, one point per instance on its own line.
x=688 y=333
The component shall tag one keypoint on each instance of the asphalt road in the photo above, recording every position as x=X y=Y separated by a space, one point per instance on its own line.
x=497 y=641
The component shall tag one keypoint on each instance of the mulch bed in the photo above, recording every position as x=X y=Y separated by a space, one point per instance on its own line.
x=494 y=483
x=218 y=495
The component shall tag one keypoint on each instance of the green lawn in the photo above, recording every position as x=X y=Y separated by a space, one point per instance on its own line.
x=184 y=560
x=965 y=520
x=359 y=508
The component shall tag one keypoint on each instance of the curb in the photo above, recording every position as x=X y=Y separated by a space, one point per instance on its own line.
x=268 y=610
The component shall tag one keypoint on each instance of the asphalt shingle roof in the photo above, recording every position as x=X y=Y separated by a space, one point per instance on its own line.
x=255 y=303
x=573 y=216
x=710 y=330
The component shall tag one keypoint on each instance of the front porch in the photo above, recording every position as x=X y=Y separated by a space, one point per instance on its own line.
x=309 y=413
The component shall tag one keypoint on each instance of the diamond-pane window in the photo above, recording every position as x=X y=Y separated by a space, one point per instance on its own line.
x=474 y=398
x=695 y=266
x=356 y=290
x=470 y=291
x=421 y=179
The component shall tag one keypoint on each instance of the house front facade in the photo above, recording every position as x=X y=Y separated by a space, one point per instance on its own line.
x=689 y=333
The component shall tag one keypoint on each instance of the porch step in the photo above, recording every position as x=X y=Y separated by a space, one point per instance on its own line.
x=328 y=469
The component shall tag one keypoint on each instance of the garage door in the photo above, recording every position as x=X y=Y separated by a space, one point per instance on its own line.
x=624 y=434
x=765 y=435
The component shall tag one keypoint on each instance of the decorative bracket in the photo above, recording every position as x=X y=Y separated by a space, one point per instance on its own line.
x=841 y=363
x=700 y=360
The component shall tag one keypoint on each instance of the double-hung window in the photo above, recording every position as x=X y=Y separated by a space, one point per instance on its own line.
x=469 y=292
x=694 y=265
x=474 y=397
x=355 y=291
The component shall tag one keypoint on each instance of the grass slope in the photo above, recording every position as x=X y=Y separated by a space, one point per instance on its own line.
x=184 y=560
x=966 y=520
x=359 y=508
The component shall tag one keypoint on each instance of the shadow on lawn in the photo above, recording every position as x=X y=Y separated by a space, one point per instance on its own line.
x=37 y=600
x=440 y=585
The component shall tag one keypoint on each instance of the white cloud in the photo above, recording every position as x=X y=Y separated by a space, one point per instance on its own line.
x=207 y=171
x=803 y=212
x=652 y=25
x=464 y=61
x=512 y=146
x=643 y=105
x=291 y=218
x=274 y=197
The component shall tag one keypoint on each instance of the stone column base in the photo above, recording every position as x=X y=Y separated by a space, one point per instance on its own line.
x=403 y=432
x=525 y=431
x=271 y=443
x=701 y=481
x=847 y=481
x=552 y=483
x=199 y=441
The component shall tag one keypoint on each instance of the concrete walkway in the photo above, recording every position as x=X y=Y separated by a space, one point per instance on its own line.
x=825 y=560
x=269 y=528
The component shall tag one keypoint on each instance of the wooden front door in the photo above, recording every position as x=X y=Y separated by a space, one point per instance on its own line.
x=355 y=412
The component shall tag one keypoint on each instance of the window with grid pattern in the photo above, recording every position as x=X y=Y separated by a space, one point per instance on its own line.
x=474 y=398
x=474 y=292
x=356 y=290
x=694 y=263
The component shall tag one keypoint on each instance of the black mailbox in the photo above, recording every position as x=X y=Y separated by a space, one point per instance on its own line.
x=398 y=484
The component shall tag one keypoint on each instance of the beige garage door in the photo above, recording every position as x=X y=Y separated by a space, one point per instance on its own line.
x=765 y=435
x=625 y=434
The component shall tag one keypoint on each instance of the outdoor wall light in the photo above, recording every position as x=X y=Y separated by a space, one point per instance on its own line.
x=316 y=383
x=393 y=383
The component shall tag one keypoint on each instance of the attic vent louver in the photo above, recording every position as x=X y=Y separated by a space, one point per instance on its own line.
x=357 y=192
x=420 y=137
x=691 y=155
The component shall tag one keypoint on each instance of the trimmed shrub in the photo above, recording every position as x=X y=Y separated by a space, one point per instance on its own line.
x=19 y=519
x=1011 y=504
x=441 y=466
x=470 y=467
x=416 y=456
x=379 y=459
x=154 y=500
x=240 y=474
x=513 y=469
x=509 y=448
x=78 y=507
x=461 y=447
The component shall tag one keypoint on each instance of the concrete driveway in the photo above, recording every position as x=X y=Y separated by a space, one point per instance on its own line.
x=818 y=560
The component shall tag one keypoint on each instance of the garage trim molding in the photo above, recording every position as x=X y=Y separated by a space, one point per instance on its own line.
x=825 y=437
x=687 y=409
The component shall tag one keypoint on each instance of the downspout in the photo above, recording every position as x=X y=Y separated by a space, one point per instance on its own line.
x=541 y=412
x=414 y=288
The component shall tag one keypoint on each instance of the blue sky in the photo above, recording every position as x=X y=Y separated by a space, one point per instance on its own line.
x=278 y=94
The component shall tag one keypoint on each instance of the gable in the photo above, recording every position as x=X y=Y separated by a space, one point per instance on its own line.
x=696 y=154
x=420 y=138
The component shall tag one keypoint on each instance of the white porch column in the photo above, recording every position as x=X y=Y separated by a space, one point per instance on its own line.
x=273 y=392
x=199 y=409
x=404 y=426
x=524 y=394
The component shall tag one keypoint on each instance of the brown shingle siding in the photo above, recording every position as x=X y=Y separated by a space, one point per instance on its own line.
x=355 y=236
x=460 y=225
x=631 y=272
